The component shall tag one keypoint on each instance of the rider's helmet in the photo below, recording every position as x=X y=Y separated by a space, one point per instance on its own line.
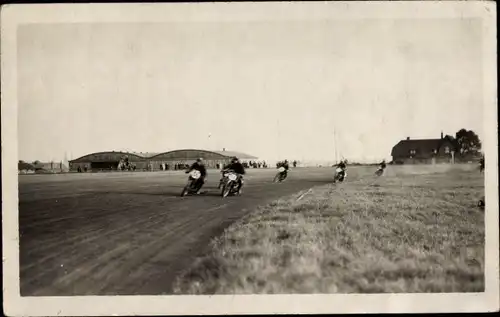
x=199 y=160
x=234 y=160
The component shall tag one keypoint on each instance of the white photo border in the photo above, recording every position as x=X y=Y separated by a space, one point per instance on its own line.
x=14 y=305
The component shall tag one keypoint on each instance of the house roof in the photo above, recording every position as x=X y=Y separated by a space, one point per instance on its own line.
x=150 y=155
x=25 y=166
x=146 y=154
x=225 y=153
x=421 y=145
x=237 y=154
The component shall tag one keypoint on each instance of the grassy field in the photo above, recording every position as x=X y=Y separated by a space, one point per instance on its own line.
x=416 y=229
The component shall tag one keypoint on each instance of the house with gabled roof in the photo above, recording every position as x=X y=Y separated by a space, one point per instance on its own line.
x=425 y=151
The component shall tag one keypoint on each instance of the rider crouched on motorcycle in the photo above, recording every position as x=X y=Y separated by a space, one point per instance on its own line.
x=382 y=165
x=286 y=166
x=199 y=166
x=342 y=165
x=239 y=169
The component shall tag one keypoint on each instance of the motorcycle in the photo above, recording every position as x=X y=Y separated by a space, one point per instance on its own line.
x=340 y=175
x=481 y=203
x=193 y=184
x=280 y=176
x=379 y=171
x=229 y=184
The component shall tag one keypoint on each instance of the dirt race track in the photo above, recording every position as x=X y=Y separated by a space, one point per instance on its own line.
x=128 y=233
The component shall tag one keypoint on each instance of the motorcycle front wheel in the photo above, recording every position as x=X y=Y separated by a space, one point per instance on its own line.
x=277 y=178
x=225 y=190
x=185 y=190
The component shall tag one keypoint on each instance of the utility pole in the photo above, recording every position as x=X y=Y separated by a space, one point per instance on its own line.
x=335 y=145
x=278 y=138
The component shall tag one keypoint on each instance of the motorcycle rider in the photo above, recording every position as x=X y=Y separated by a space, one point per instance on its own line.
x=238 y=168
x=381 y=168
x=382 y=165
x=286 y=166
x=342 y=165
x=199 y=166
x=481 y=164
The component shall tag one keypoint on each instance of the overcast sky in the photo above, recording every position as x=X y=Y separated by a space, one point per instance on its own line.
x=270 y=89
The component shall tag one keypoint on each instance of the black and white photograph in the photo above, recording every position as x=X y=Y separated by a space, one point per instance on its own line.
x=251 y=157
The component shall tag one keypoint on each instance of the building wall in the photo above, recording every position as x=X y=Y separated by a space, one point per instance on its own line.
x=442 y=149
x=436 y=160
x=188 y=155
x=173 y=164
x=73 y=166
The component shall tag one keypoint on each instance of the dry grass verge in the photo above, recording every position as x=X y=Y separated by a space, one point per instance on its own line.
x=405 y=233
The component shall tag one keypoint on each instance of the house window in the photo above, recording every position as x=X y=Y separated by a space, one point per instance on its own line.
x=434 y=151
x=413 y=152
x=446 y=150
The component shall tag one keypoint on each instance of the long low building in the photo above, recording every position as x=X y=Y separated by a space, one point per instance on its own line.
x=171 y=160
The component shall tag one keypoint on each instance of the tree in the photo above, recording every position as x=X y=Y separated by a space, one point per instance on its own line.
x=468 y=142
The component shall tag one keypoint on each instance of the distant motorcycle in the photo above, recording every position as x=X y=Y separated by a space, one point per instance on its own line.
x=193 y=184
x=481 y=203
x=229 y=184
x=340 y=175
x=280 y=176
x=379 y=171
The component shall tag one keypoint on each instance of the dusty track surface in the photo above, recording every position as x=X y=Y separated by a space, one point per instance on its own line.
x=130 y=233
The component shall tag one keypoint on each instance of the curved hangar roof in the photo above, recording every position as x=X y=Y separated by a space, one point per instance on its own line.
x=186 y=154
